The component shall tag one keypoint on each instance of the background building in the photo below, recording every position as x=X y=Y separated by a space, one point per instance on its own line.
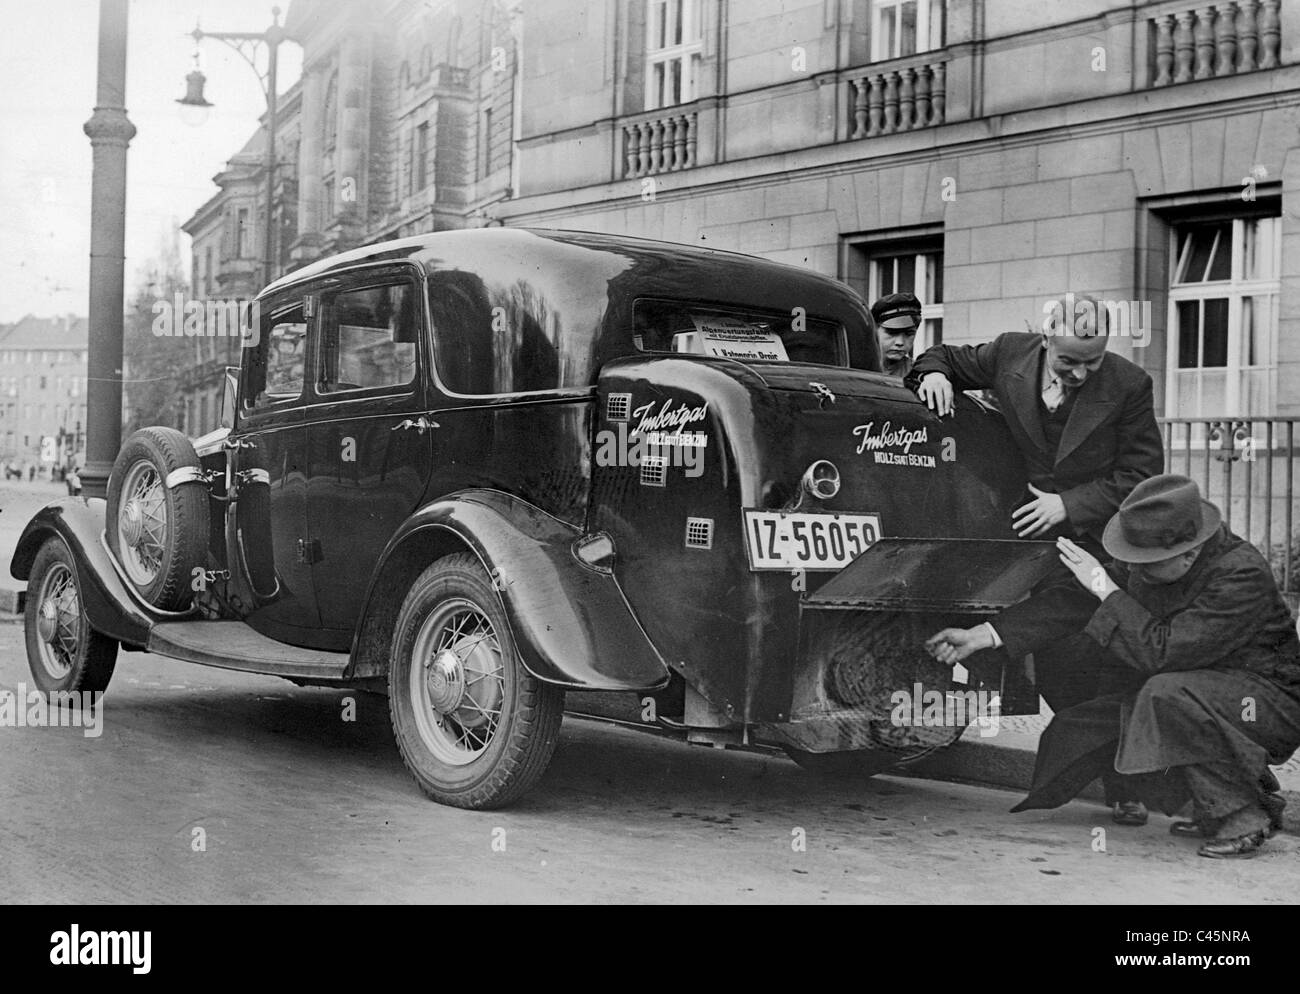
x=42 y=387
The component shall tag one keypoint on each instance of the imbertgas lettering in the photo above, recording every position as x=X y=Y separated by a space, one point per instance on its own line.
x=99 y=948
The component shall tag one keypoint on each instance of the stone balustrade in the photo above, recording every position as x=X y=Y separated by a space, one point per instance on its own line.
x=1215 y=40
x=899 y=96
x=660 y=143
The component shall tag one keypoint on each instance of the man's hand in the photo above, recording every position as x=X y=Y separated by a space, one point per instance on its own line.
x=1039 y=515
x=936 y=391
x=1086 y=569
x=952 y=645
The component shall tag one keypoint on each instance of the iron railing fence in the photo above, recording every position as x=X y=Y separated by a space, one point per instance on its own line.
x=1247 y=467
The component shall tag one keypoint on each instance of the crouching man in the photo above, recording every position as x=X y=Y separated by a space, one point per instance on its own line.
x=1214 y=697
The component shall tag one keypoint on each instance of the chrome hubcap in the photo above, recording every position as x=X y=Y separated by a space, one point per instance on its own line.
x=446 y=682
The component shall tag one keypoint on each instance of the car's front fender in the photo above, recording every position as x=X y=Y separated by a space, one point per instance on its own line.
x=107 y=602
x=570 y=623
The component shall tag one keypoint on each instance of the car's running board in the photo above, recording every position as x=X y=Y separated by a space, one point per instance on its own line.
x=233 y=645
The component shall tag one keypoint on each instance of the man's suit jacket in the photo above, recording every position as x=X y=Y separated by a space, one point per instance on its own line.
x=1110 y=443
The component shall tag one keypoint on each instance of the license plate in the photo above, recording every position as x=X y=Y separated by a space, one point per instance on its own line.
x=800 y=540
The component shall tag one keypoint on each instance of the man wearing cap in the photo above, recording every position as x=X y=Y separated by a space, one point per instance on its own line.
x=1194 y=613
x=897 y=317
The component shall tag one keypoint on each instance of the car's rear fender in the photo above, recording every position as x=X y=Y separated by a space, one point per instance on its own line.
x=79 y=523
x=570 y=622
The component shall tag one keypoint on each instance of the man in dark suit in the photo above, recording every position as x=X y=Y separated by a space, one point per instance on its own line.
x=1084 y=422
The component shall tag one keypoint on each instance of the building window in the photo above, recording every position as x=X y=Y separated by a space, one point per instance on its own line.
x=421 y=166
x=243 y=234
x=673 y=52
x=905 y=27
x=327 y=195
x=1224 y=292
x=212 y=270
x=403 y=79
x=917 y=270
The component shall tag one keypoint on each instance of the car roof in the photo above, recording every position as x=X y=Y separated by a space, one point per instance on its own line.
x=474 y=247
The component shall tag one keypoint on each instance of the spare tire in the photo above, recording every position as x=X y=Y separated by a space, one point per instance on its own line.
x=158 y=533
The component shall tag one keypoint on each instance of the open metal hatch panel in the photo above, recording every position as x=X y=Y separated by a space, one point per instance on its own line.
x=979 y=576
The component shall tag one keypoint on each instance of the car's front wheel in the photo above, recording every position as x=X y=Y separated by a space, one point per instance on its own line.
x=474 y=727
x=63 y=652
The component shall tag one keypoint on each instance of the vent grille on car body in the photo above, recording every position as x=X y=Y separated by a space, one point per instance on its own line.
x=699 y=533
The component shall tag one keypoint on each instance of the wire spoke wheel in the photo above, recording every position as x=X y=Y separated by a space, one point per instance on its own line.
x=142 y=524
x=60 y=621
x=474 y=727
x=458 y=680
x=64 y=652
x=159 y=533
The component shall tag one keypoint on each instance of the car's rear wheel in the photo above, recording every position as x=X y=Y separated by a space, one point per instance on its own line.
x=475 y=729
x=63 y=652
x=158 y=532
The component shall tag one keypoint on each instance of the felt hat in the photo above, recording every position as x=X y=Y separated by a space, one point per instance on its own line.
x=1163 y=517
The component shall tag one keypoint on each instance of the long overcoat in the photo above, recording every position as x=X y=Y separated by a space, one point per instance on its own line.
x=1214 y=675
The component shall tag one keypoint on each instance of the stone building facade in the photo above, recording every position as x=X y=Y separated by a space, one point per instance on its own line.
x=992 y=155
x=42 y=387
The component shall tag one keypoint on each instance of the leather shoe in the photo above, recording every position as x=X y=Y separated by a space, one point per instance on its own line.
x=1129 y=813
x=1242 y=847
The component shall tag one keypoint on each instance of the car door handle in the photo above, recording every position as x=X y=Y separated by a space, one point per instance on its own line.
x=420 y=424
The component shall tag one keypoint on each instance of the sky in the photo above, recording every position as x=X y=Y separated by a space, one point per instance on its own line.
x=48 y=54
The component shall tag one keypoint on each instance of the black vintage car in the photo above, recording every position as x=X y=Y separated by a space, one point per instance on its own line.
x=479 y=471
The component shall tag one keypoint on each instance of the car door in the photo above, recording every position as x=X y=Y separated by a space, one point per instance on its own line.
x=370 y=436
x=269 y=445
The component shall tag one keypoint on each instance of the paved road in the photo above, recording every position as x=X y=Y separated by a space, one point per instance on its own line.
x=297 y=804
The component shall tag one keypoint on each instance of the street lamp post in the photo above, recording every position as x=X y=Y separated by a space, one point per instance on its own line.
x=246 y=44
x=110 y=132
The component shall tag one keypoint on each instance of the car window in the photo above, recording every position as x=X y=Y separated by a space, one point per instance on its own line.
x=368 y=338
x=277 y=364
x=677 y=326
x=495 y=339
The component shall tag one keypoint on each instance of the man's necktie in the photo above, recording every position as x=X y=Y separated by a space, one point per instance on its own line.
x=1054 y=394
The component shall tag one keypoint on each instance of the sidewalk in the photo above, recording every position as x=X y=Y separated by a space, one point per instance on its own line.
x=1007 y=760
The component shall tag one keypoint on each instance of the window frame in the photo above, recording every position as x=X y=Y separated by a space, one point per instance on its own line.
x=365 y=279
x=929 y=38
x=1235 y=289
x=249 y=415
x=689 y=52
